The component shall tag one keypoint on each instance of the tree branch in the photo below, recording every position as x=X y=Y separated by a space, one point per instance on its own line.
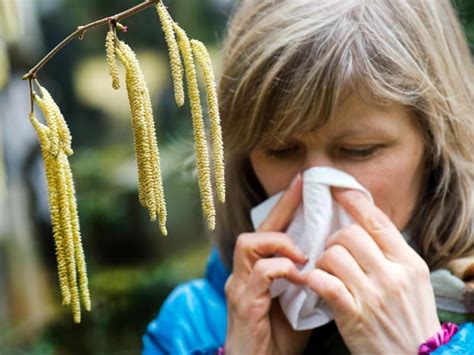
x=81 y=30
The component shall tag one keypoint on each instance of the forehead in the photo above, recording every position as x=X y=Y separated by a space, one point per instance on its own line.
x=354 y=117
x=355 y=114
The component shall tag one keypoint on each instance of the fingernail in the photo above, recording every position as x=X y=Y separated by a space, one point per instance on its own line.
x=338 y=189
x=295 y=179
x=303 y=256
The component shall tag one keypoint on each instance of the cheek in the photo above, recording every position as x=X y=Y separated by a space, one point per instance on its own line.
x=395 y=186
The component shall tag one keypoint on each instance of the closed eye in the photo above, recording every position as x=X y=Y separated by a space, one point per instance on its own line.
x=360 y=153
x=282 y=152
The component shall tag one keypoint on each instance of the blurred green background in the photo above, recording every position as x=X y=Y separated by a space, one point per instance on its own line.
x=131 y=266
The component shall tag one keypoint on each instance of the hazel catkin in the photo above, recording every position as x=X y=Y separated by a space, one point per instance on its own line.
x=151 y=193
x=204 y=61
x=200 y=144
x=173 y=50
x=42 y=132
x=110 y=55
x=180 y=49
x=55 y=142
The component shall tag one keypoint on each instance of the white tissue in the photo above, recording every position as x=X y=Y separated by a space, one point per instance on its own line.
x=317 y=217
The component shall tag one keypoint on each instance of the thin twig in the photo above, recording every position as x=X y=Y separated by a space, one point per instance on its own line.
x=81 y=30
x=30 y=85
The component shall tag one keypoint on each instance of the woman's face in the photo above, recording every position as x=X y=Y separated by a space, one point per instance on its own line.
x=382 y=148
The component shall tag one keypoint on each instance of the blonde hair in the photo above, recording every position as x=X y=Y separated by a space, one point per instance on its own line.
x=289 y=64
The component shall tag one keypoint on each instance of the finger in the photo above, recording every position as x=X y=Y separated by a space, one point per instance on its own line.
x=361 y=246
x=373 y=220
x=233 y=289
x=283 y=211
x=251 y=247
x=332 y=290
x=266 y=270
x=339 y=262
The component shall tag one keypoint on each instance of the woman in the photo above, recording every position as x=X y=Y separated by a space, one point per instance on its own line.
x=382 y=90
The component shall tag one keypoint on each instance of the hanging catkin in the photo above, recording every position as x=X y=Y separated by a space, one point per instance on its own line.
x=173 y=50
x=150 y=182
x=43 y=133
x=55 y=143
x=78 y=250
x=180 y=49
x=204 y=61
x=200 y=145
x=110 y=55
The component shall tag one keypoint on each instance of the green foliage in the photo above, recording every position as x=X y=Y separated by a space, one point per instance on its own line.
x=125 y=301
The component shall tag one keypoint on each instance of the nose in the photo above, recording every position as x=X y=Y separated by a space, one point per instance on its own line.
x=317 y=157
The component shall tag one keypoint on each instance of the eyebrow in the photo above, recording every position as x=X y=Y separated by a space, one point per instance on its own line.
x=356 y=130
x=272 y=139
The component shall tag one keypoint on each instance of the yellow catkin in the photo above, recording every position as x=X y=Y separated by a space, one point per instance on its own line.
x=151 y=194
x=158 y=204
x=158 y=191
x=138 y=86
x=137 y=109
x=55 y=120
x=110 y=55
x=48 y=113
x=135 y=103
x=79 y=252
x=42 y=132
x=157 y=181
x=175 y=59
x=200 y=145
x=58 y=228
x=55 y=141
x=68 y=241
x=204 y=61
x=63 y=129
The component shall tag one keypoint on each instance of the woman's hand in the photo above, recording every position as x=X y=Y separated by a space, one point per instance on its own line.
x=256 y=325
x=377 y=286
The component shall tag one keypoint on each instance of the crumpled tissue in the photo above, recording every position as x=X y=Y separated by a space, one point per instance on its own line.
x=316 y=218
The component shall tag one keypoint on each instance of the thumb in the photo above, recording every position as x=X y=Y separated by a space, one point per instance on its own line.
x=281 y=214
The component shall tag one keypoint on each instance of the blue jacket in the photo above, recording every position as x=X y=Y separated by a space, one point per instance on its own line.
x=193 y=320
